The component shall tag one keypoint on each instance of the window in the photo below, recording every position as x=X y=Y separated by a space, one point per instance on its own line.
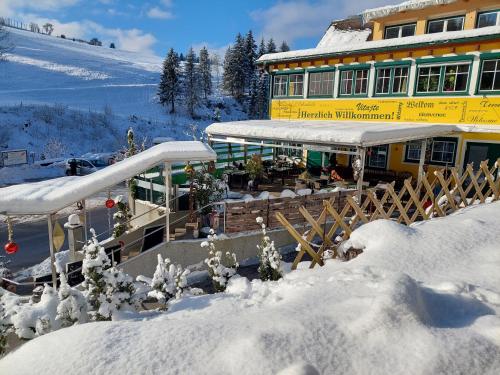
x=376 y=157
x=392 y=80
x=400 y=31
x=354 y=82
x=442 y=151
x=280 y=83
x=296 y=85
x=488 y=19
x=447 y=78
x=490 y=75
x=445 y=24
x=321 y=83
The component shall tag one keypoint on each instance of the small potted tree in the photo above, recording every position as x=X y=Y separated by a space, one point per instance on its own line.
x=255 y=170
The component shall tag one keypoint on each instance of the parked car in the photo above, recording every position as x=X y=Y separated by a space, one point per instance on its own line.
x=79 y=167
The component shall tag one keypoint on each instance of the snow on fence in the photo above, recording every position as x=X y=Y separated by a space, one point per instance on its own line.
x=434 y=196
x=240 y=216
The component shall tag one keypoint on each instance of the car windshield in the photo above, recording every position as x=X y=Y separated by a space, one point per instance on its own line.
x=99 y=163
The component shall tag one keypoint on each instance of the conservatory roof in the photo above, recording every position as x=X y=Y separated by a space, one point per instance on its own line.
x=313 y=132
x=50 y=196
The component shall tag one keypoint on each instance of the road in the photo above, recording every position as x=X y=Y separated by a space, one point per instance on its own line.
x=33 y=241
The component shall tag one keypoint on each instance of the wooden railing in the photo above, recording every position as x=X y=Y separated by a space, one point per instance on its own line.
x=436 y=195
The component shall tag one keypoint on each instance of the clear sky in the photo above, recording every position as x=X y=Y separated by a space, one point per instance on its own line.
x=153 y=26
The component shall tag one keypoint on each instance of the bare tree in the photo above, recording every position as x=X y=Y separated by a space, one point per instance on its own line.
x=49 y=28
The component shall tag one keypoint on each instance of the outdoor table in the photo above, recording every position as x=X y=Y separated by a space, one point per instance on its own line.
x=238 y=176
x=280 y=172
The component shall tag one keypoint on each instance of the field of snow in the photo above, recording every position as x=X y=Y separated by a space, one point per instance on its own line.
x=423 y=299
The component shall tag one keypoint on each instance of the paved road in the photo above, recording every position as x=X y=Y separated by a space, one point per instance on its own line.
x=34 y=242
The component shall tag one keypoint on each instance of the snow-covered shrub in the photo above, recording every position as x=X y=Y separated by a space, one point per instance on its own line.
x=207 y=189
x=169 y=281
x=4 y=270
x=120 y=293
x=54 y=148
x=72 y=307
x=221 y=267
x=270 y=258
x=5 y=325
x=121 y=217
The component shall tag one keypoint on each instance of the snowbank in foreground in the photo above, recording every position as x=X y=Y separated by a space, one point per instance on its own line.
x=419 y=300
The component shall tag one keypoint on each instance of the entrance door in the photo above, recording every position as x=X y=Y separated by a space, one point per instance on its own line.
x=477 y=152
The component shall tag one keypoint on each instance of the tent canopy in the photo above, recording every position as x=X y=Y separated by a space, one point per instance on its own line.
x=50 y=196
x=353 y=134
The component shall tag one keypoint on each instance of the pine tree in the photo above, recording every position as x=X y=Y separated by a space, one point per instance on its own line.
x=191 y=83
x=284 y=47
x=250 y=57
x=112 y=45
x=72 y=307
x=121 y=217
x=252 y=100
x=262 y=48
x=168 y=89
x=262 y=105
x=221 y=267
x=270 y=258
x=271 y=46
x=234 y=76
x=205 y=73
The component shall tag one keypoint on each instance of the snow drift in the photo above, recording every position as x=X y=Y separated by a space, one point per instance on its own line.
x=423 y=299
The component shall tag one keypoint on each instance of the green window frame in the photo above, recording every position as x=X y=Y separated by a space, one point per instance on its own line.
x=377 y=157
x=490 y=62
x=400 y=31
x=443 y=151
x=280 y=85
x=288 y=84
x=493 y=15
x=296 y=85
x=354 y=81
x=440 y=76
x=321 y=83
x=446 y=24
x=391 y=79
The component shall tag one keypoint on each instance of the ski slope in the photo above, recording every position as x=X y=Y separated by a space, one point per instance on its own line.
x=43 y=69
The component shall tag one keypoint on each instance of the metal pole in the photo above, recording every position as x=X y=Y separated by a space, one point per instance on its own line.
x=167 y=172
x=51 y=247
x=361 y=153
x=423 y=149
x=84 y=209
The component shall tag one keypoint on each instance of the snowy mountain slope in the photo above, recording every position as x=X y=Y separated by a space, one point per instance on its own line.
x=84 y=98
x=419 y=300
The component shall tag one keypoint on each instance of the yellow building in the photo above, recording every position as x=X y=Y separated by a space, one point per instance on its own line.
x=429 y=62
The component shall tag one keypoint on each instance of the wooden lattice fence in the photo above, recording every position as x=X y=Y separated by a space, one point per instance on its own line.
x=436 y=195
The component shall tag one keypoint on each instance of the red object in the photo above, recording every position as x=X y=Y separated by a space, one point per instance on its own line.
x=427 y=204
x=11 y=247
x=121 y=243
x=110 y=203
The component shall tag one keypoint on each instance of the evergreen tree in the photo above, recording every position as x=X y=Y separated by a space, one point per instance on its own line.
x=234 y=69
x=252 y=100
x=112 y=45
x=181 y=57
x=271 y=46
x=121 y=217
x=262 y=48
x=262 y=100
x=191 y=83
x=168 y=90
x=221 y=267
x=72 y=307
x=270 y=258
x=205 y=73
x=250 y=57
x=284 y=47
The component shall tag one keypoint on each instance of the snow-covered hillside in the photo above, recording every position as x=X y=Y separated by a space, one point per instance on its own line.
x=419 y=300
x=85 y=96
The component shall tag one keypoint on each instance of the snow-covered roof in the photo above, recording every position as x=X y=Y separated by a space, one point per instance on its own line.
x=336 y=37
x=370 y=14
x=328 y=132
x=52 y=195
x=406 y=42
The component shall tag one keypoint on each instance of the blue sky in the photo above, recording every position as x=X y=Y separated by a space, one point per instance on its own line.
x=154 y=26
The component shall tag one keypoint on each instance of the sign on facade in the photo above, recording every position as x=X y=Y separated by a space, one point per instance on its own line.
x=14 y=157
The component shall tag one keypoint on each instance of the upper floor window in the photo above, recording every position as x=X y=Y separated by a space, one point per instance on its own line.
x=446 y=78
x=296 y=85
x=354 y=82
x=392 y=80
x=490 y=75
x=279 y=85
x=400 y=31
x=445 y=24
x=321 y=83
x=491 y=18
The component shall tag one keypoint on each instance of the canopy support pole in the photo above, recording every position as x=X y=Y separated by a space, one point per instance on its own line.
x=167 y=175
x=421 y=162
x=361 y=155
x=51 y=247
x=84 y=211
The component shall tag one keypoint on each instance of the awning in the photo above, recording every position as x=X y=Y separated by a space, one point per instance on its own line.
x=50 y=196
x=352 y=134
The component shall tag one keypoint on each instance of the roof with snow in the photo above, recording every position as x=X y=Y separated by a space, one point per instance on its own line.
x=385 y=11
x=491 y=32
x=329 y=132
x=337 y=37
x=52 y=195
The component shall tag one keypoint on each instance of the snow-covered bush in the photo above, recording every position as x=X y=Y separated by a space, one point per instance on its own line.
x=270 y=258
x=72 y=307
x=5 y=327
x=207 y=189
x=169 y=281
x=121 y=217
x=120 y=293
x=221 y=267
